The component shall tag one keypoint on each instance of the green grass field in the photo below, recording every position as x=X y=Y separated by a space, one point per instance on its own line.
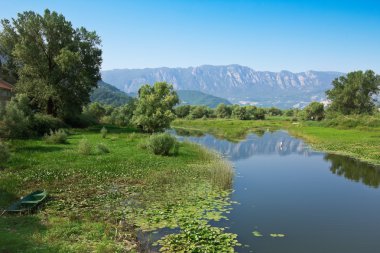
x=351 y=137
x=98 y=202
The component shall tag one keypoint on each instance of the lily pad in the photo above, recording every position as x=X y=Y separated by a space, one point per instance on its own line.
x=257 y=234
x=277 y=235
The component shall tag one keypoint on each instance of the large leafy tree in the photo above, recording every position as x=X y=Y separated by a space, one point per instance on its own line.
x=155 y=107
x=56 y=65
x=353 y=94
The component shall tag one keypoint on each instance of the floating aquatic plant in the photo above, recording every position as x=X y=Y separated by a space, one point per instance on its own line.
x=257 y=234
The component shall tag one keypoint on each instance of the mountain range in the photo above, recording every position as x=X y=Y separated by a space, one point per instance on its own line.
x=236 y=83
x=108 y=94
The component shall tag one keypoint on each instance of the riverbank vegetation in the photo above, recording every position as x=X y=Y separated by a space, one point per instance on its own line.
x=354 y=136
x=111 y=174
x=99 y=201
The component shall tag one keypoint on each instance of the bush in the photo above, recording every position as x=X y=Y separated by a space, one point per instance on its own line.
x=314 y=111
x=161 y=144
x=102 y=149
x=43 y=124
x=182 y=111
x=56 y=137
x=4 y=154
x=17 y=118
x=259 y=114
x=84 y=147
x=81 y=121
x=104 y=132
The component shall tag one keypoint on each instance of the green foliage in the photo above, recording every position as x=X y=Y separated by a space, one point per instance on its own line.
x=161 y=144
x=100 y=201
x=4 y=153
x=353 y=94
x=122 y=115
x=198 y=112
x=289 y=113
x=314 y=111
x=198 y=236
x=97 y=110
x=56 y=65
x=17 y=119
x=43 y=123
x=351 y=121
x=259 y=114
x=85 y=147
x=223 y=111
x=103 y=132
x=240 y=112
x=182 y=111
x=102 y=149
x=273 y=111
x=155 y=107
x=56 y=137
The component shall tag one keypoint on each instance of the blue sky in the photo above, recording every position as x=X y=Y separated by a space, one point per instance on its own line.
x=340 y=35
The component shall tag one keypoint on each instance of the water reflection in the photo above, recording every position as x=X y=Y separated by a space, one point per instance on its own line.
x=354 y=170
x=282 y=186
x=279 y=142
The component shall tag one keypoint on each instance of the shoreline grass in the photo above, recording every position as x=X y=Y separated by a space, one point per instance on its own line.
x=350 y=137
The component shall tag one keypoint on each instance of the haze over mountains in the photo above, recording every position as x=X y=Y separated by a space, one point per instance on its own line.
x=236 y=83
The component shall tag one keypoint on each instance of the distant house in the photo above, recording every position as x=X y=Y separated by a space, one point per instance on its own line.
x=6 y=90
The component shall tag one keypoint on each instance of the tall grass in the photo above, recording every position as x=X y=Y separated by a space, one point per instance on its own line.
x=352 y=121
x=220 y=171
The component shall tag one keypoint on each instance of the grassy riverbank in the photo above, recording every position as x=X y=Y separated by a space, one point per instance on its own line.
x=352 y=137
x=97 y=202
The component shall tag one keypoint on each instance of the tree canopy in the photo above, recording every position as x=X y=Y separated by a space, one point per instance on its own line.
x=56 y=65
x=155 y=107
x=353 y=94
x=314 y=111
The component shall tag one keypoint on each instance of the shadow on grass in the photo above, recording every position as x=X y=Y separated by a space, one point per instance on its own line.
x=112 y=129
x=17 y=234
x=17 y=231
x=39 y=149
x=6 y=198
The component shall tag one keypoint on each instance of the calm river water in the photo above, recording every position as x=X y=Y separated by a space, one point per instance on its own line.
x=322 y=203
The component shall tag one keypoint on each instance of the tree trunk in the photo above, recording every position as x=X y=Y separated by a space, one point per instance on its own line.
x=50 y=107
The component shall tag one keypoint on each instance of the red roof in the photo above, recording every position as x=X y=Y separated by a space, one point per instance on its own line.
x=6 y=86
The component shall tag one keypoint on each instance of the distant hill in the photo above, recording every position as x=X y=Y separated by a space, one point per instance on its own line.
x=109 y=94
x=236 y=83
x=193 y=97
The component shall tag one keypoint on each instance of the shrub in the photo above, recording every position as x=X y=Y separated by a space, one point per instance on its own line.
x=17 y=118
x=104 y=132
x=56 y=137
x=182 y=111
x=84 y=147
x=259 y=114
x=314 y=111
x=198 y=111
x=176 y=148
x=4 y=154
x=223 y=111
x=161 y=144
x=82 y=120
x=43 y=124
x=102 y=149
